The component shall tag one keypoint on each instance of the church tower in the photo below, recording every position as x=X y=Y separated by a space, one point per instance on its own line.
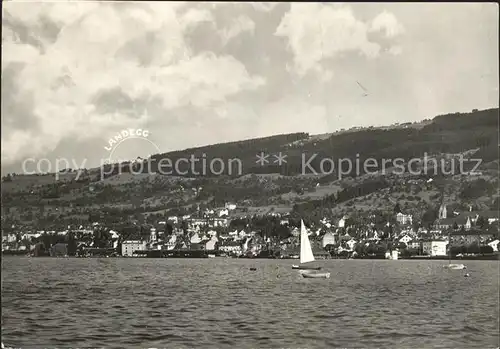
x=442 y=212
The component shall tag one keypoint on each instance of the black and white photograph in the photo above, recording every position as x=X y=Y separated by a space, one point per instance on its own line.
x=254 y=175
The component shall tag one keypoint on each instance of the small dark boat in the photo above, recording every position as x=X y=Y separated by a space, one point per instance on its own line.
x=301 y=267
x=253 y=268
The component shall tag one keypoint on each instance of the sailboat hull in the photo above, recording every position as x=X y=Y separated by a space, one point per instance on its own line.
x=316 y=275
x=455 y=266
x=301 y=267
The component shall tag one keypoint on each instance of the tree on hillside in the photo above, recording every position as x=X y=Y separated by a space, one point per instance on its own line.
x=397 y=208
x=429 y=217
x=481 y=222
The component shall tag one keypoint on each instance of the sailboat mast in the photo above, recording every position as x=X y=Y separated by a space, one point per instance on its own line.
x=449 y=247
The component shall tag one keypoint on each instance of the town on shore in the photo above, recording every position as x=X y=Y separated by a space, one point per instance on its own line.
x=227 y=231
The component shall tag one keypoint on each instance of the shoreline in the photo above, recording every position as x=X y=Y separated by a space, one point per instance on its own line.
x=493 y=257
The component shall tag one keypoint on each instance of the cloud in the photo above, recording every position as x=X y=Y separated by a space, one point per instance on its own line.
x=316 y=31
x=396 y=50
x=237 y=26
x=388 y=23
x=264 y=6
x=101 y=67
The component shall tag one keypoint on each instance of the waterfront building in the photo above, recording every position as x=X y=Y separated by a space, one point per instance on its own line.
x=494 y=245
x=9 y=238
x=130 y=246
x=231 y=247
x=470 y=236
x=328 y=239
x=195 y=239
x=172 y=242
x=434 y=248
x=211 y=244
x=405 y=239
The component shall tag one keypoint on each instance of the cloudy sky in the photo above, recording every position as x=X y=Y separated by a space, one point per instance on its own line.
x=76 y=73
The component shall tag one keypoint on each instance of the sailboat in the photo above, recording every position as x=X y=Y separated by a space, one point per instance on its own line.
x=307 y=256
x=450 y=265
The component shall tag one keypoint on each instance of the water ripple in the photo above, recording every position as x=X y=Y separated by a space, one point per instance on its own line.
x=219 y=303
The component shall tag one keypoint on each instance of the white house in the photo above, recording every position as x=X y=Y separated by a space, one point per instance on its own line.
x=10 y=238
x=230 y=206
x=233 y=233
x=210 y=245
x=218 y=222
x=434 y=248
x=494 y=245
x=328 y=239
x=195 y=239
x=351 y=244
x=342 y=222
x=173 y=219
x=130 y=246
x=29 y=236
x=405 y=239
x=326 y=222
x=404 y=219
x=153 y=234
x=114 y=234
x=224 y=212
x=211 y=233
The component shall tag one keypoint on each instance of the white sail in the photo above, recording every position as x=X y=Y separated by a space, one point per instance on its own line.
x=306 y=254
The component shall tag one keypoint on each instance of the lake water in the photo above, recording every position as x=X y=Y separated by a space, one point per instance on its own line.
x=220 y=303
